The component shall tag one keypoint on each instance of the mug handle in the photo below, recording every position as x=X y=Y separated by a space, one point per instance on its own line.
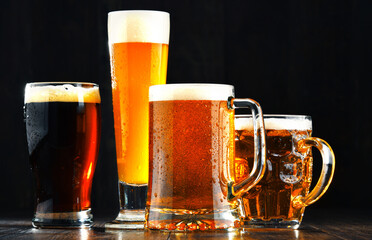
x=326 y=174
x=235 y=190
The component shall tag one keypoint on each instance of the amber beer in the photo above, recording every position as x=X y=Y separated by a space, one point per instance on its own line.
x=288 y=173
x=190 y=132
x=191 y=181
x=138 y=42
x=63 y=131
x=193 y=137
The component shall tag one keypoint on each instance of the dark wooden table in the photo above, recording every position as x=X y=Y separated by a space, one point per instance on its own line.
x=317 y=224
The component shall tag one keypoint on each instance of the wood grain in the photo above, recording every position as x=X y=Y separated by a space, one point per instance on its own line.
x=332 y=224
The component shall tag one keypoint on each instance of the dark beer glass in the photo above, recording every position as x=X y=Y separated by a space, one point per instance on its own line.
x=63 y=125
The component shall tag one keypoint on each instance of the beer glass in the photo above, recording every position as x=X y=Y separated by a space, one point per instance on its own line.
x=191 y=181
x=280 y=198
x=63 y=125
x=138 y=42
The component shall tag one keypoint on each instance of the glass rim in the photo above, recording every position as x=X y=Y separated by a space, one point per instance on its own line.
x=143 y=11
x=279 y=116
x=31 y=84
x=275 y=122
x=193 y=85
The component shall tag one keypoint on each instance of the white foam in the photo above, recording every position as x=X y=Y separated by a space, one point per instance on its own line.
x=138 y=26
x=168 y=92
x=272 y=123
x=61 y=93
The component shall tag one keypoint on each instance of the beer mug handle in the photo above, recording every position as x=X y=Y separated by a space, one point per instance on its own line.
x=235 y=190
x=326 y=174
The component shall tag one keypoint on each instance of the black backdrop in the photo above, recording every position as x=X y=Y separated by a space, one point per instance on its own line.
x=294 y=57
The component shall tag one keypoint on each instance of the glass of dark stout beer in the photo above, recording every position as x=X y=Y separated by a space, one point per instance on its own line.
x=63 y=124
x=191 y=176
x=280 y=198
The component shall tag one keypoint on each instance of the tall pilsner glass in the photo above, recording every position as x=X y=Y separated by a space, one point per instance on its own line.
x=138 y=42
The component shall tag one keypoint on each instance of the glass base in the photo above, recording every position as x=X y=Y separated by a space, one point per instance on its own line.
x=128 y=219
x=132 y=204
x=82 y=219
x=273 y=223
x=192 y=220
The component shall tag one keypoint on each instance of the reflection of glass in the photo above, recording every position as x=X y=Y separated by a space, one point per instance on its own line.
x=63 y=131
x=278 y=233
x=138 y=42
x=279 y=199
x=84 y=234
x=133 y=234
x=191 y=155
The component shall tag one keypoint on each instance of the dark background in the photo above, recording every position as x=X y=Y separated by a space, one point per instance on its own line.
x=294 y=57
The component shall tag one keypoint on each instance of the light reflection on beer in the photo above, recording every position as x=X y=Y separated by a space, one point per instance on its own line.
x=89 y=170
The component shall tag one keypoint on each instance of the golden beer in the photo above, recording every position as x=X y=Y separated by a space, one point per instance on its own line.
x=288 y=175
x=138 y=42
x=279 y=199
x=134 y=67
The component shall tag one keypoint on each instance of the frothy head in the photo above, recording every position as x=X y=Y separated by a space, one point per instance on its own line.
x=138 y=26
x=169 y=92
x=280 y=122
x=61 y=93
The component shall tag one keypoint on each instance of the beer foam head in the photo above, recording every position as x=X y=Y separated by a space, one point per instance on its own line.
x=279 y=122
x=168 y=92
x=138 y=26
x=61 y=93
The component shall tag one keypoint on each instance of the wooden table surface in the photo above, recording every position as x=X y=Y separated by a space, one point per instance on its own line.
x=317 y=224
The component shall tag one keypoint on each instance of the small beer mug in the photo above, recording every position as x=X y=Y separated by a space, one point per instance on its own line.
x=191 y=171
x=280 y=198
x=63 y=125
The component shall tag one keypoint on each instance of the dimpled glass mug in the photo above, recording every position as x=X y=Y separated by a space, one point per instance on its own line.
x=280 y=198
x=191 y=170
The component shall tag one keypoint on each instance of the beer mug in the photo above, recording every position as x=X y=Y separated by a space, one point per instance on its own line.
x=280 y=198
x=63 y=125
x=191 y=171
